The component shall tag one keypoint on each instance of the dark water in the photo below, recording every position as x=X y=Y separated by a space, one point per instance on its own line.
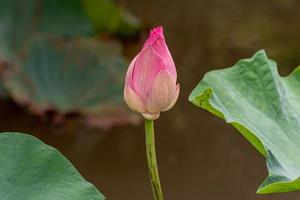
x=200 y=156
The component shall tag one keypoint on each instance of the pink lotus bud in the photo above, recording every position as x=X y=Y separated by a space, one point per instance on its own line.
x=150 y=84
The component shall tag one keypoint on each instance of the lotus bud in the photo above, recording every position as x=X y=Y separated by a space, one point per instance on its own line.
x=151 y=79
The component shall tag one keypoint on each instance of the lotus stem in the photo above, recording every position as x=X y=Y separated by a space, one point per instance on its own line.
x=152 y=163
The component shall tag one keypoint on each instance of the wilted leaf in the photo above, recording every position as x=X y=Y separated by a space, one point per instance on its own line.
x=77 y=75
x=29 y=170
x=265 y=108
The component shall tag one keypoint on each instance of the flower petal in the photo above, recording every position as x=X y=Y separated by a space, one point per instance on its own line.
x=174 y=98
x=147 y=65
x=155 y=34
x=133 y=101
x=161 y=48
x=161 y=93
x=129 y=73
x=157 y=41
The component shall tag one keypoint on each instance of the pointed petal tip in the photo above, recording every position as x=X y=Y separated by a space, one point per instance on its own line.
x=155 y=34
x=158 y=30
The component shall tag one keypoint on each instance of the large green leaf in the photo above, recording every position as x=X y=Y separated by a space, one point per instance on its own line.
x=76 y=75
x=31 y=170
x=265 y=108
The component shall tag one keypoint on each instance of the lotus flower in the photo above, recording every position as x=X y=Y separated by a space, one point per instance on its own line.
x=150 y=83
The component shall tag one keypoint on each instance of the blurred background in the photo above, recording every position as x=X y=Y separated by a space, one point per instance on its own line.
x=62 y=65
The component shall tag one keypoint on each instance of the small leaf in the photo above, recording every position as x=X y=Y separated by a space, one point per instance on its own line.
x=265 y=108
x=29 y=170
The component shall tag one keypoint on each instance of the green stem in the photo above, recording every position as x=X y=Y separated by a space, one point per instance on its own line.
x=152 y=163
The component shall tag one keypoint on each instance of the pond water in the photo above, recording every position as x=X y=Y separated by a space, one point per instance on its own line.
x=199 y=155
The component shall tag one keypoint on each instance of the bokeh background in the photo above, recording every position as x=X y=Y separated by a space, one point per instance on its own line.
x=199 y=155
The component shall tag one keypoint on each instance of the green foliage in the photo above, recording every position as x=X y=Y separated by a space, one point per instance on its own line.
x=265 y=108
x=45 y=78
x=31 y=170
x=56 y=62
x=106 y=16
x=20 y=20
x=64 y=18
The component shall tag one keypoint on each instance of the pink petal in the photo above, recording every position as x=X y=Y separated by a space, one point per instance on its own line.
x=133 y=101
x=174 y=98
x=162 y=92
x=147 y=65
x=157 y=41
x=161 y=48
x=129 y=73
x=154 y=35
